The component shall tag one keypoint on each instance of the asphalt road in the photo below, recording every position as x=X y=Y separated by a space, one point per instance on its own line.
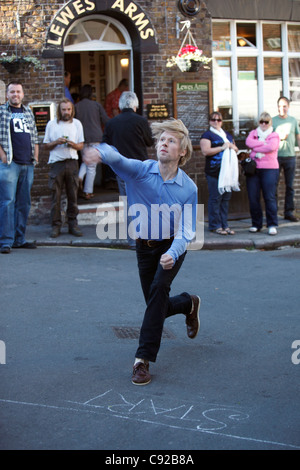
x=66 y=380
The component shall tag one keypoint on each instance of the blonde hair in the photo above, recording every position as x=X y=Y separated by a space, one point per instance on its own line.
x=177 y=127
x=265 y=117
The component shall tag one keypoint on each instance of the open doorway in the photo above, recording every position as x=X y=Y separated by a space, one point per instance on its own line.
x=98 y=52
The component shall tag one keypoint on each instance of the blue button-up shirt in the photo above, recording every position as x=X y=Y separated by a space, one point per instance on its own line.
x=160 y=209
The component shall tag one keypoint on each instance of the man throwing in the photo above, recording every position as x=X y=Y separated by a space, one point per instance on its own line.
x=167 y=199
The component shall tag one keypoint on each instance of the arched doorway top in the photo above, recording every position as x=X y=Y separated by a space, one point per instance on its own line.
x=97 y=32
x=130 y=14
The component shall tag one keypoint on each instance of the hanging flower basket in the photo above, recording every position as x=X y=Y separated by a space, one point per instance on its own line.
x=15 y=64
x=189 y=57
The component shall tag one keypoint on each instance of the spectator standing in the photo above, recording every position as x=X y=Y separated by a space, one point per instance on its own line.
x=288 y=129
x=68 y=95
x=63 y=138
x=221 y=171
x=130 y=134
x=93 y=118
x=18 y=152
x=111 y=103
x=264 y=144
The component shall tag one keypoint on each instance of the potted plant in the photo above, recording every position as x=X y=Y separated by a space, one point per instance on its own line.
x=189 y=59
x=13 y=63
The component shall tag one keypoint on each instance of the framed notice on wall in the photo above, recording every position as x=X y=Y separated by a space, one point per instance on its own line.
x=43 y=112
x=192 y=104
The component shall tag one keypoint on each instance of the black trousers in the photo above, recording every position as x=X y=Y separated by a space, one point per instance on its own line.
x=64 y=173
x=156 y=284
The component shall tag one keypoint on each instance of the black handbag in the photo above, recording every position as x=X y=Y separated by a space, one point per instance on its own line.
x=248 y=166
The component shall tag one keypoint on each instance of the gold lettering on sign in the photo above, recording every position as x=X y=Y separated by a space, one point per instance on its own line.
x=139 y=20
x=66 y=16
x=130 y=9
x=70 y=12
x=79 y=7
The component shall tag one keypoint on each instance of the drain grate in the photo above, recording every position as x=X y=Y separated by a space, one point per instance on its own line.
x=133 y=332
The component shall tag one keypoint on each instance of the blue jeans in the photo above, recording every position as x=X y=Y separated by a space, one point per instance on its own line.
x=156 y=284
x=265 y=182
x=15 y=202
x=218 y=205
x=288 y=164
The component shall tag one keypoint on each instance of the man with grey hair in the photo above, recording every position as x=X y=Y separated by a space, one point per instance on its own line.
x=130 y=134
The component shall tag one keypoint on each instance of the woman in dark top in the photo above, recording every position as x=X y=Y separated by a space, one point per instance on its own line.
x=214 y=143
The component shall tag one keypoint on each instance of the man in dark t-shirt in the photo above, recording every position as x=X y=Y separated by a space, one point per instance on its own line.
x=20 y=137
x=18 y=152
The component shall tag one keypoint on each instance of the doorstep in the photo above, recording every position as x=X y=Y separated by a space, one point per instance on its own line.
x=90 y=214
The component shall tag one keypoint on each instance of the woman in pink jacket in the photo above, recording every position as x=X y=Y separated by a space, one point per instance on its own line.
x=264 y=144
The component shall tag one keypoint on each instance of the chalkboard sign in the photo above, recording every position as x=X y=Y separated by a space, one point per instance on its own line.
x=192 y=104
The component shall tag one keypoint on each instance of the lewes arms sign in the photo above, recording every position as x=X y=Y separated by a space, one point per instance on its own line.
x=76 y=9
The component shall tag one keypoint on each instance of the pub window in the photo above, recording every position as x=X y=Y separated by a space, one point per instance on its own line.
x=247 y=92
x=221 y=36
x=272 y=83
x=294 y=38
x=246 y=34
x=294 y=84
x=272 y=37
x=222 y=85
x=264 y=61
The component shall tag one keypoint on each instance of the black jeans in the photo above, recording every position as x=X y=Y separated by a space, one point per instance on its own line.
x=64 y=173
x=156 y=284
x=288 y=164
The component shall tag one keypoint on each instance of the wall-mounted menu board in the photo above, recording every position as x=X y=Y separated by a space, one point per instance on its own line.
x=192 y=104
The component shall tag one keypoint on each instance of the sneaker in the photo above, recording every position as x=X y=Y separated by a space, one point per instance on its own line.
x=192 y=319
x=272 y=231
x=141 y=375
x=253 y=229
x=5 y=249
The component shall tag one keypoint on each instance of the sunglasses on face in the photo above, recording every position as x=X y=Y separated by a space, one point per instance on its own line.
x=216 y=120
x=264 y=122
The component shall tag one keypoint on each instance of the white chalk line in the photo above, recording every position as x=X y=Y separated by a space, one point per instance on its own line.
x=183 y=428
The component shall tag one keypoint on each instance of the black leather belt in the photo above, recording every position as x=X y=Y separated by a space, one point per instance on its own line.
x=153 y=243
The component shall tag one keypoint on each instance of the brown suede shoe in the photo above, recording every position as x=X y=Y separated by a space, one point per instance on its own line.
x=141 y=374
x=192 y=319
x=75 y=231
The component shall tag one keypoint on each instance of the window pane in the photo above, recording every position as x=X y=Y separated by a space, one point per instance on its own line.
x=272 y=37
x=223 y=89
x=247 y=92
x=246 y=34
x=294 y=38
x=94 y=30
x=294 y=75
x=272 y=84
x=221 y=37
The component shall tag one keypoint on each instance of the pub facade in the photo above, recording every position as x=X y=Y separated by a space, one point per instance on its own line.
x=254 y=49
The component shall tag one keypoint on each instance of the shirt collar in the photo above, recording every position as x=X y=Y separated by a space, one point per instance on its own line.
x=178 y=178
